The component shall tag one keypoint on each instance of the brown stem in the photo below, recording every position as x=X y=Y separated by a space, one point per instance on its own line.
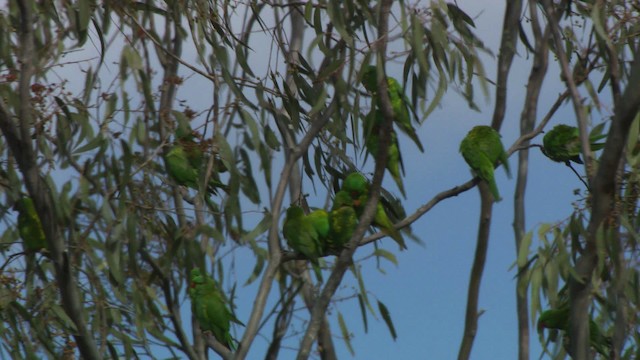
x=471 y=317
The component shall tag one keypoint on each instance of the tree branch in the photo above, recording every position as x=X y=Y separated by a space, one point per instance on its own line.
x=345 y=259
x=603 y=194
x=553 y=22
x=527 y=122
x=275 y=250
x=472 y=315
x=19 y=141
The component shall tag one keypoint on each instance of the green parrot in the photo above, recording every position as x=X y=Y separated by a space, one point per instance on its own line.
x=29 y=226
x=562 y=144
x=301 y=233
x=343 y=221
x=209 y=307
x=320 y=220
x=357 y=186
x=373 y=121
x=481 y=149
x=185 y=159
x=559 y=319
x=399 y=101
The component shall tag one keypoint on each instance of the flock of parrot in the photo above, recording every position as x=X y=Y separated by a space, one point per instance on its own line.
x=321 y=233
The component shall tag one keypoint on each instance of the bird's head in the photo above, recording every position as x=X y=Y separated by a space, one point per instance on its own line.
x=355 y=184
x=196 y=277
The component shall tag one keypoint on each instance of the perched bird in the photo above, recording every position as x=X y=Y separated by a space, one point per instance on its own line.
x=210 y=309
x=29 y=226
x=320 y=220
x=481 y=149
x=357 y=186
x=301 y=233
x=373 y=121
x=342 y=220
x=559 y=319
x=185 y=160
x=399 y=101
x=562 y=144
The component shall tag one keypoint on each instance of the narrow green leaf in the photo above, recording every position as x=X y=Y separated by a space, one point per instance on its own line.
x=271 y=139
x=345 y=333
x=523 y=252
x=387 y=319
x=387 y=255
x=261 y=228
x=363 y=312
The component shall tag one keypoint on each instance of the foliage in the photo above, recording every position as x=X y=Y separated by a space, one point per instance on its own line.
x=93 y=95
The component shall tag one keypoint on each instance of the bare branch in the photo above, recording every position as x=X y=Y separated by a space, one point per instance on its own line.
x=527 y=122
x=472 y=315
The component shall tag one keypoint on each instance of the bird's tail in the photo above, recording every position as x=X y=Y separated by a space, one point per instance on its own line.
x=493 y=187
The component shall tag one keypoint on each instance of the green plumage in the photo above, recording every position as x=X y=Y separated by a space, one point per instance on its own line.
x=357 y=186
x=29 y=226
x=185 y=160
x=373 y=121
x=562 y=144
x=559 y=319
x=482 y=149
x=399 y=101
x=343 y=221
x=301 y=233
x=320 y=220
x=210 y=309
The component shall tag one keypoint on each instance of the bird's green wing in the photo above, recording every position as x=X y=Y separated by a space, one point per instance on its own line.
x=320 y=221
x=478 y=148
x=179 y=167
x=562 y=144
x=400 y=106
x=382 y=221
x=300 y=233
x=210 y=309
x=343 y=221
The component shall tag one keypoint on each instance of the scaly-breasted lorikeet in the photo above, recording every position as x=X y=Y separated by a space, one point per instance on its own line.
x=301 y=233
x=482 y=149
x=562 y=144
x=357 y=186
x=210 y=309
x=342 y=220
x=185 y=160
x=399 y=101
x=559 y=319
